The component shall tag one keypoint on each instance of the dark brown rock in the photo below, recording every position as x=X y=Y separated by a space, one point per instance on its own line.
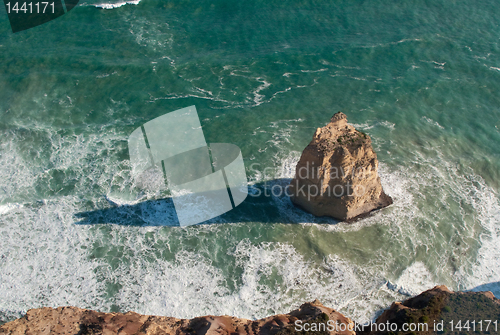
x=435 y=307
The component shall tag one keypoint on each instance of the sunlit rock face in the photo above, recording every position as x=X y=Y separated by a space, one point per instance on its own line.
x=311 y=316
x=337 y=173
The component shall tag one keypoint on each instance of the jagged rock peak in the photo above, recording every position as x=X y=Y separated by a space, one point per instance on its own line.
x=339 y=116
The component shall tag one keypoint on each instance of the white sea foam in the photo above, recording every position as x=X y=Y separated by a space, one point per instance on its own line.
x=112 y=5
x=43 y=263
x=45 y=256
x=17 y=177
x=156 y=288
x=258 y=89
x=48 y=260
x=4 y=209
x=485 y=273
x=414 y=280
x=432 y=122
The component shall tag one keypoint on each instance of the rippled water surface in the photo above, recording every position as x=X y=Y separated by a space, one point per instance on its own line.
x=421 y=78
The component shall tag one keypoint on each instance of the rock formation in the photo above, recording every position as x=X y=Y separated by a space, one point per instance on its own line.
x=436 y=308
x=337 y=173
x=77 y=321
x=433 y=311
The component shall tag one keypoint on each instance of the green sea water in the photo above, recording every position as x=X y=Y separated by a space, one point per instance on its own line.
x=420 y=77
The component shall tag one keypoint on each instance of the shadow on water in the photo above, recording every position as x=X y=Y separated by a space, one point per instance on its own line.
x=259 y=206
x=494 y=287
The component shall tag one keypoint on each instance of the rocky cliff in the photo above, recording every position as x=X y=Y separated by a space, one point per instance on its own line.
x=72 y=320
x=337 y=173
x=434 y=311
x=439 y=311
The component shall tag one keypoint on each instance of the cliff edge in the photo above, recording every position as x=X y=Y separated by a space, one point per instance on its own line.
x=435 y=311
x=337 y=174
x=77 y=321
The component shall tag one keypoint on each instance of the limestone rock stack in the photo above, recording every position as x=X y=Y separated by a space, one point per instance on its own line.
x=337 y=173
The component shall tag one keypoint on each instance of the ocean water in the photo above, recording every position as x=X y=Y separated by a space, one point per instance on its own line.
x=420 y=77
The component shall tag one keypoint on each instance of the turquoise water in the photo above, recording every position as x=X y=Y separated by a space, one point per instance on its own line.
x=420 y=78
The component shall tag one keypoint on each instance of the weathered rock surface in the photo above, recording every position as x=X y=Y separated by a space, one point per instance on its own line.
x=434 y=307
x=73 y=320
x=432 y=311
x=337 y=173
